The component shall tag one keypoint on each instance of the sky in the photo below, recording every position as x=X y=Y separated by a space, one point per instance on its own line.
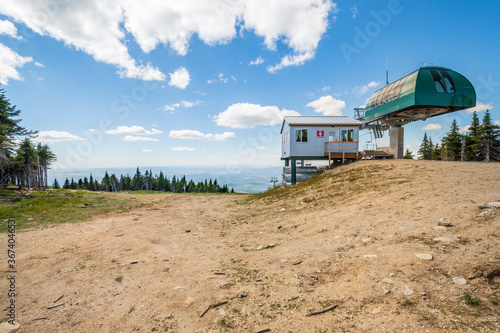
x=155 y=83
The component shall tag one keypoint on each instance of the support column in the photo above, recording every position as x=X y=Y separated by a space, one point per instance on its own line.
x=293 y=171
x=396 y=141
x=287 y=162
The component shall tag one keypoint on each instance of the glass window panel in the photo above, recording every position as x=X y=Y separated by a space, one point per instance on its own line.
x=298 y=135
x=304 y=135
x=448 y=82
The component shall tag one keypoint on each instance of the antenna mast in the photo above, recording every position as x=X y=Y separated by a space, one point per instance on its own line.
x=386 y=67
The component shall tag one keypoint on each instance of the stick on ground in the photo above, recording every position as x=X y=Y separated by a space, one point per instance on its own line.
x=54 y=306
x=212 y=306
x=330 y=308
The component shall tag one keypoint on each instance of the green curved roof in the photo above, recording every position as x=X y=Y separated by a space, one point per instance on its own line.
x=424 y=93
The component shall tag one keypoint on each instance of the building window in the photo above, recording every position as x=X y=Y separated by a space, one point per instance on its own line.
x=443 y=82
x=300 y=135
x=347 y=135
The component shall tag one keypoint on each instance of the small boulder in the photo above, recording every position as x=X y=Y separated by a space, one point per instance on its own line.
x=485 y=214
x=459 y=281
x=444 y=222
x=424 y=256
x=6 y=327
x=493 y=205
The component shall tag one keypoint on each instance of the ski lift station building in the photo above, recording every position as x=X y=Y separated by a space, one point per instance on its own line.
x=319 y=138
x=424 y=93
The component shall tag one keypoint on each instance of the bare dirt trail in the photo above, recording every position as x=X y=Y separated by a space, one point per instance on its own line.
x=353 y=237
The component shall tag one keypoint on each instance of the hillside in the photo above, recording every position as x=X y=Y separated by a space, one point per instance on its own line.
x=360 y=237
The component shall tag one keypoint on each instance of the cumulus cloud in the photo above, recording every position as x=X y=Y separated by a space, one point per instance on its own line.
x=431 y=127
x=463 y=129
x=132 y=138
x=182 y=149
x=8 y=28
x=100 y=28
x=135 y=130
x=361 y=90
x=246 y=115
x=146 y=150
x=257 y=61
x=328 y=105
x=56 y=136
x=180 y=78
x=197 y=135
x=496 y=122
x=93 y=27
x=9 y=62
x=298 y=24
x=480 y=106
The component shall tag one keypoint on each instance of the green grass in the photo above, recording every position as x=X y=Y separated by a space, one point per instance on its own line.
x=471 y=300
x=58 y=206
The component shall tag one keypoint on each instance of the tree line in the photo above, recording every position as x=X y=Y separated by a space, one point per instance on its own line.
x=481 y=142
x=144 y=182
x=21 y=163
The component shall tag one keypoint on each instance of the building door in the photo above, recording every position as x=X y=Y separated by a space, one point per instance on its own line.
x=332 y=136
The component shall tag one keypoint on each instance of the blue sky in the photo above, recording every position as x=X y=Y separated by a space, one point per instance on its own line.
x=164 y=83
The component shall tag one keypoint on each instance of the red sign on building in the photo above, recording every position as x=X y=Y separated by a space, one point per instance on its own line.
x=320 y=134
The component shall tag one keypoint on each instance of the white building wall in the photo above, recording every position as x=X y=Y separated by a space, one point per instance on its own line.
x=317 y=136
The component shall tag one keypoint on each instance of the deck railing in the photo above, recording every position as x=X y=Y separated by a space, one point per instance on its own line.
x=342 y=147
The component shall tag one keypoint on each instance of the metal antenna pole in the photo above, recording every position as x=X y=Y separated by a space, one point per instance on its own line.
x=386 y=67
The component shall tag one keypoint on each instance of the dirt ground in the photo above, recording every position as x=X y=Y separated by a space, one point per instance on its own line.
x=358 y=237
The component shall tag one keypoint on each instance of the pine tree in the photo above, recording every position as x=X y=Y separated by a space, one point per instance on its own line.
x=425 y=149
x=472 y=138
x=488 y=146
x=408 y=155
x=55 y=185
x=66 y=184
x=453 y=142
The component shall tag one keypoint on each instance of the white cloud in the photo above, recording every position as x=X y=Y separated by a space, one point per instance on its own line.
x=9 y=62
x=354 y=11
x=146 y=150
x=361 y=90
x=326 y=88
x=291 y=60
x=431 y=127
x=131 y=138
x=480 y=106
x=8 y=28
x=135 y=130
x=299 y=24
x=182 y=149
x=184 y=104
x=220 y=78
x=101 y=29
x=93 y=27
x=246 y=115
x=56 y=136
x=257 y=61
x=197 y=135
x=496 y=122
x=408 y=146
x=463 y=129
x=180 y=78
x=328 y=105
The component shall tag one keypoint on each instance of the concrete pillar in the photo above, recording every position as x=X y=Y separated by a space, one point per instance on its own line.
x=396 y=141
